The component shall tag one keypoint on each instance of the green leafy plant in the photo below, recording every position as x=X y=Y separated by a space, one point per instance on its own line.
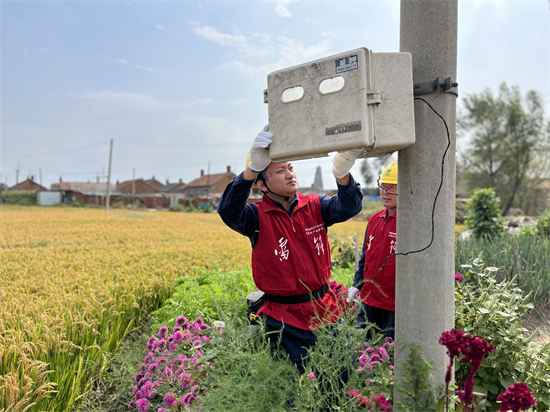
x=18 y=197
x=417 y=387
x=343 y=252
x=493 y=311
x=543 y=225
x=483 y=214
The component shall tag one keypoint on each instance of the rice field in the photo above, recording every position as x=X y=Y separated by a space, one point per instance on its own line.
x=74 y=282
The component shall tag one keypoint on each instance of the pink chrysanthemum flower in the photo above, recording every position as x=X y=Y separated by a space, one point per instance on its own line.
x=182 y=322
x=170 y=399
x=187 y=398
x=142 y=404
x=163 y=332
x=178 y=336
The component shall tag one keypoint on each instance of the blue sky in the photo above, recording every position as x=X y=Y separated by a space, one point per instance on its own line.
x=179 y=85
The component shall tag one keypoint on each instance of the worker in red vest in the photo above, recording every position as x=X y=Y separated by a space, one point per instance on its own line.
x=290 y=251
x=375 y=276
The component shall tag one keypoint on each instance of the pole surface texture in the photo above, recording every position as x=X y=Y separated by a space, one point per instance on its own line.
x=425 y=280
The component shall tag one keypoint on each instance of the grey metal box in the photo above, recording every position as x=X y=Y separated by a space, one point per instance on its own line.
x=368 y=106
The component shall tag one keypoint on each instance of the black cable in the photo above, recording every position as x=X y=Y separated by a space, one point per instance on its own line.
x=436 y=196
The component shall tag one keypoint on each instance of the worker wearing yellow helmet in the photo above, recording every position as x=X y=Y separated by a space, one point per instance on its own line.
x=291 y=260
x=374 y=279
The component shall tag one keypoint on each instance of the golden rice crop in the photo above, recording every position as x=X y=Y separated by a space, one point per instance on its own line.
x=73 y=282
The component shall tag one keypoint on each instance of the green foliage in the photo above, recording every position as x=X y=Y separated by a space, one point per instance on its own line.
x=523 y=256
x=343 y=252
x=417 y=387
x=177 y=208
x=248 y=374
x=119 y=204
x=209 y=295
x=483 y=214
x=19 y=197
x=543 y=225
x=209 y=208
x=493 y=311
x=508 y=140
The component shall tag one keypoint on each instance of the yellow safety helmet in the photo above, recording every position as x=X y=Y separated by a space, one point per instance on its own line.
x=389 y=175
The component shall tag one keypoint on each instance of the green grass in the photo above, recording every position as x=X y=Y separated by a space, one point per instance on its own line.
x=527 y=257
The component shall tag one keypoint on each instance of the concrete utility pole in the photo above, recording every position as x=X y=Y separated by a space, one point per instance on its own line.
x=133 y=185
x=108 y=194
x=425 y=282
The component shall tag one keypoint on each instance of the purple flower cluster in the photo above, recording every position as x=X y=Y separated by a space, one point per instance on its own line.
x=516 y=398
x=369 y=357
x=171 y=358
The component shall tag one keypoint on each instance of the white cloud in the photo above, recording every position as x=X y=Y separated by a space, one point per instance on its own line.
x=281 y=8
x=133 y=101
x=45 y=49
x=244 y=45
x=122 y=61
x=209 y=33
x=291 y=52
x=151 y=70
x=160 y=27
x=238 y=102
x=205 y=101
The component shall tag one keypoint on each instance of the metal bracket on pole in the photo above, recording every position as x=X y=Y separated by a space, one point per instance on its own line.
x=431 y=87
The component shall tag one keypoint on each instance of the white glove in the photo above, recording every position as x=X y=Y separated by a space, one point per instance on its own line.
x=342 y=163
x=259 y=152
x=352 y=294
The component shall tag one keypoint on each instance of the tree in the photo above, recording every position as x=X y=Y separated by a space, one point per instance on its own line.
x=509 y=141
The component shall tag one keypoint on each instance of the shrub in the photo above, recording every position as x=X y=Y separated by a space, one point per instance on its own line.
x=177 y=208
x=493 y=311
x=483 y=214
x=543 y=225
x=19 y=197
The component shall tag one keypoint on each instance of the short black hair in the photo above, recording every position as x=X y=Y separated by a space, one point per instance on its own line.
x=261 y=177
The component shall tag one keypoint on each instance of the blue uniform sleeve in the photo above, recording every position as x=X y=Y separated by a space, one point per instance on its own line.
x=360 y=272
x=236 y=213
x=347 y=202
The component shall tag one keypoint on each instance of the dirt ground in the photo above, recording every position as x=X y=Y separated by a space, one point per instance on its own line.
x=534 y=321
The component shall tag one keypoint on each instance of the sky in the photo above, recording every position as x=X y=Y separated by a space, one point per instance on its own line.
x=178 y=85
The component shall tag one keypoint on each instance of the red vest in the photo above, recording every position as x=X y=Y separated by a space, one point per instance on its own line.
x=292 y=257
x=380 y=241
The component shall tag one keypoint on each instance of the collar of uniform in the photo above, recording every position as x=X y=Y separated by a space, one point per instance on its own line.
x=387 y=213
x=298 y=202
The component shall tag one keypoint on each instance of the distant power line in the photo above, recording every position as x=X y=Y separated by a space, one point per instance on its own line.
x=64 y=151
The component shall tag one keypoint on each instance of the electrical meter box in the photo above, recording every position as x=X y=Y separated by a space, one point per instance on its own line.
x=358 y=100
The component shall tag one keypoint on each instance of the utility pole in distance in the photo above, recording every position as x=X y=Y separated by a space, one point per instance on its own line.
x=133 y=184
x=108 y=194
x=424 y=301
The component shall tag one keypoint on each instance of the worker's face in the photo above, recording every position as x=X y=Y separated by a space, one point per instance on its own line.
x=281 y=179
x=388 y=200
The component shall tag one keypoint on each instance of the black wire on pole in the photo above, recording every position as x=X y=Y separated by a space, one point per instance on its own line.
x=436 y=196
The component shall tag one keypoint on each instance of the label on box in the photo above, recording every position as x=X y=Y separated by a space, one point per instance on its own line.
x=346 y=63
x=343 y=128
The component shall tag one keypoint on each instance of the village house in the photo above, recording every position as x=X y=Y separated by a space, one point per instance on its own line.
x=207 y=188
x=87 y=192
x=28 y=185
x=173 y=192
